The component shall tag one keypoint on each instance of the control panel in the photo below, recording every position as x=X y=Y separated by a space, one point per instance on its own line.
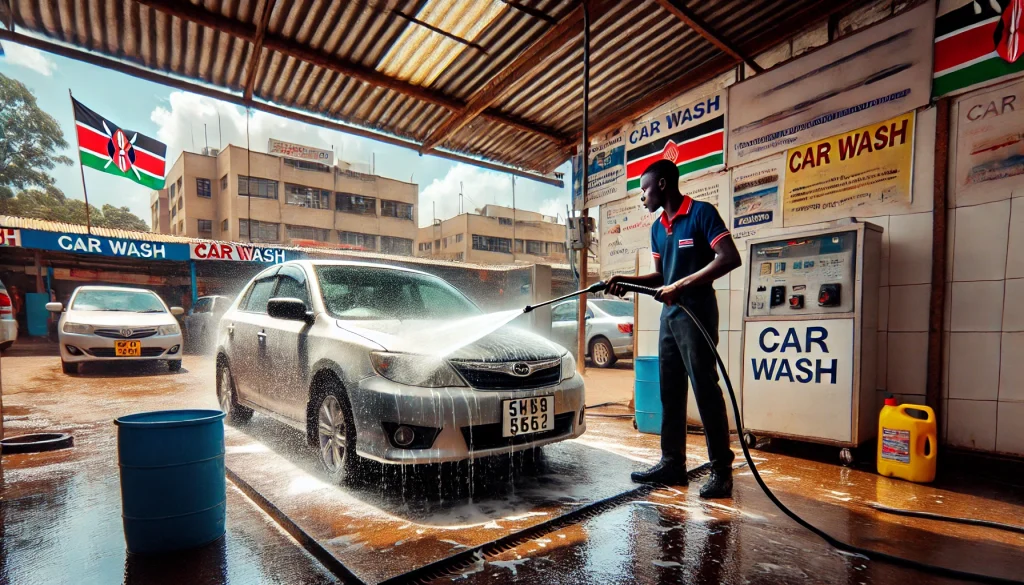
x=803 y=276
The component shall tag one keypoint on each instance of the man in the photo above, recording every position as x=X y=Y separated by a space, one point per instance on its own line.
x=691 y=247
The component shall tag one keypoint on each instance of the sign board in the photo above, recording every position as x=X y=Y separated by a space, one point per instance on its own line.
x=606 y=175
x=834 y=177
x=757 y=197
x=10 y=237
x=297 y=151
x=625 y=232
x=873 y=75
x=977 y=43
x=691 y=136
x=85 y=244
x=798 y=377
x=713 y=189
x=235 y=253
x=989 y=144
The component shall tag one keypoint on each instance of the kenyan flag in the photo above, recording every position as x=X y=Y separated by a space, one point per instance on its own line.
x=978 y=42
x=124 y=153
x=692 y=149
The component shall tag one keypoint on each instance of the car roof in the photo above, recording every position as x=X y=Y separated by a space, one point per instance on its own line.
x=315 y=263
x=121 y=288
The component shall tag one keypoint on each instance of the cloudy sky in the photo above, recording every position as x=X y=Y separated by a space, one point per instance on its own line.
x=187 y=121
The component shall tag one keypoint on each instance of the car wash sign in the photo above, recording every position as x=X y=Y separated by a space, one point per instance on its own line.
x=236 y=253
x=102 y=246
x=798 y=377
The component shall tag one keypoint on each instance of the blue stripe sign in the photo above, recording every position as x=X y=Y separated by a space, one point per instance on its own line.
x=99 y=245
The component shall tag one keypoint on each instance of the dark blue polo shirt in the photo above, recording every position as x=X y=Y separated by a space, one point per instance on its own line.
x=684 y=244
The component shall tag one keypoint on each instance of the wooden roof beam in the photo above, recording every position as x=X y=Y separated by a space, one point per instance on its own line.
x=516 y=72
x=694 y=22
x=257 y=48
x=248 y=32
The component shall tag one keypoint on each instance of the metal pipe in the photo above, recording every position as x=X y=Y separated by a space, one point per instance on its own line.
x=581 y=326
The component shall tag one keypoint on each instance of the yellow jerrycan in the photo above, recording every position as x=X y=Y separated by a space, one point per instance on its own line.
x=907 y=444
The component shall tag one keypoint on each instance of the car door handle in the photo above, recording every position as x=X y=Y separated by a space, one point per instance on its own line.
x=262 y=337
x=231 y=330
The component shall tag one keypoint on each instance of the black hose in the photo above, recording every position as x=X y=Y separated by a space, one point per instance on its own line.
x=835 y=542
x=944 y=518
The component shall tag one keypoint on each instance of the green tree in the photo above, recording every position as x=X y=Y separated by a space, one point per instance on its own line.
x=30 y=141
x=52 y=205
x=121 y=218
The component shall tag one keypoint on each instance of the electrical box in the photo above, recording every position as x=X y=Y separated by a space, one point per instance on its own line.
x=579 y=232
x=810 y=335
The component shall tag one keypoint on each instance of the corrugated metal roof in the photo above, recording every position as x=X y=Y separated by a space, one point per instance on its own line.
x=403 y=67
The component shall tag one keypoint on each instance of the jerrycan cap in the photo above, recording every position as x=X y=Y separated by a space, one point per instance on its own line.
x=891 y=401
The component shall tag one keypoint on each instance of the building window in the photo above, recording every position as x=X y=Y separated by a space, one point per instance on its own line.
x=352 y=203
x=460 y=256
x=519 y=246
x=224 y=226
x=203 y=188
x=174 y=211
x=396 y=209
x=492 y=244
x=359 y=241
x=506 y=220
x=397 y=246
x=257 y=187
x=556 y=248
x=179 y=183
x=172 y=191
x=424 y=246
x=205 y=226
x=302 y=232
x=437 y=244
x=535 y=248
x=307 y=196
x=458 y=238
x=181 y=203
x=224 y=183
x=261 y=231
x=307 y=165
x=181 y=226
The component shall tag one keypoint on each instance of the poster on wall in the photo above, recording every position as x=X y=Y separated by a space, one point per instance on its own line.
x=713 y=189
x=625 y=231
x=867 y=77
x=606 y=177
x=989 y=142
x=977 y=42
x=756 y=196
x=838 y=176
x=691 y=136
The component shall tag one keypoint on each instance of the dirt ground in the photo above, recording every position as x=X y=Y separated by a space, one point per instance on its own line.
x=572 y=517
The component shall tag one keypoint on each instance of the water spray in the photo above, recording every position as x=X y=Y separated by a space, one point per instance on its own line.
x=595 y=288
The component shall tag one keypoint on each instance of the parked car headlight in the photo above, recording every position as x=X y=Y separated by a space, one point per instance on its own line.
x=77 y=328
x=415 y=370
x=568 y=366
x=171 y=329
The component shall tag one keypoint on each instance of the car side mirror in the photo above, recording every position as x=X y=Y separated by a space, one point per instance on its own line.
x=54 y=307
x=177 y=311
x=289 y=309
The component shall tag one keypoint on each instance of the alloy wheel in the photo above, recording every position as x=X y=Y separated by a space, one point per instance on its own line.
x=224 y=391
x=331 y=432
x=601 y=355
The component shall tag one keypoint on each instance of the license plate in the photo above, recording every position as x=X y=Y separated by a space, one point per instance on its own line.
x=128 y=348
x=524 y=416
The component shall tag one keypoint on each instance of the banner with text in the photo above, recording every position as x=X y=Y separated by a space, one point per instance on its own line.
x=236 y=253
x=832 y=178
x=756 y=197
x=606 y=175
x=867 y=77
x=714 y=189
x=625 y=232
x=989 y=144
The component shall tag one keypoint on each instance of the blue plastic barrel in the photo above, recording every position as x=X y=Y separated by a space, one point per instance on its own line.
x=173 y=491
x=647 y=394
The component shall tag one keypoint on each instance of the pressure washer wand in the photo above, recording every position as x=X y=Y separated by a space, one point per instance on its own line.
x=594 y=288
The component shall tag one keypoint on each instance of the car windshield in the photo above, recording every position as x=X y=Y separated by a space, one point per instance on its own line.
x=614 y=308
x=356 y=292
x=129 y=301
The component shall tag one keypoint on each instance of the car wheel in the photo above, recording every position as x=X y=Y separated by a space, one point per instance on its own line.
x=68 y=368
x=235 y=413
x=601 y=353
x=174 y=365
x=335 y=435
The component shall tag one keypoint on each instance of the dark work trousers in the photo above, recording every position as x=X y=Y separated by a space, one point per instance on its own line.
x=684 y=354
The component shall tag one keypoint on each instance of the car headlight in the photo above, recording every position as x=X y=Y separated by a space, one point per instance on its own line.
x=415 y=370
x=77 y=328
x=171 y=329
x=568 y=366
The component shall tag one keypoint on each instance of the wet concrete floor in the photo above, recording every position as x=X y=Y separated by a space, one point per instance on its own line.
x=60 y=512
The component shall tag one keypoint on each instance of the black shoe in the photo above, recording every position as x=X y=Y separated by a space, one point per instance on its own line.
x=665 y=472
x=719 y=485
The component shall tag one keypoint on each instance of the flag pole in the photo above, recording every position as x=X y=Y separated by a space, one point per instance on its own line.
x=81 y=169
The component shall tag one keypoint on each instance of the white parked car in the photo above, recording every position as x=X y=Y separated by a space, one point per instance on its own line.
x=8 y=321
x=113 y=323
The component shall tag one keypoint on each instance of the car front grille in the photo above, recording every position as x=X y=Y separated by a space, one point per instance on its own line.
x=115 y=333
x=484 y=437
x=108 y=352
x=500 y=376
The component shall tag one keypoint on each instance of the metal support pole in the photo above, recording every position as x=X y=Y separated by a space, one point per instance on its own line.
x=81 y=170
x=581 y=316
x=192 y=273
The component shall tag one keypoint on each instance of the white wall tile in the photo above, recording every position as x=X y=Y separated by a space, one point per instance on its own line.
x=907 y=363
x=724 y=312
x=883 y=277
x=736 y=310
x=735 y=360
x=908 y=307
x=1015 y=257
x=722 y=283
x=881 y=221
x=979 y=252
x=974 y=366
x=1013 y=305
x=883 y=358
x=950 y=239
x=649 y=313
x=1011 y=370
x=910 y=249
x=1010 y=431
x=972 y=424
x=883 y=308
x=977 y=306
x=947 y=302
x=647 y=343
x=945 y=364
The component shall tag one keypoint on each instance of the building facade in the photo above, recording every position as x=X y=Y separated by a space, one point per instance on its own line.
x=495 y=235
x=245 y=196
